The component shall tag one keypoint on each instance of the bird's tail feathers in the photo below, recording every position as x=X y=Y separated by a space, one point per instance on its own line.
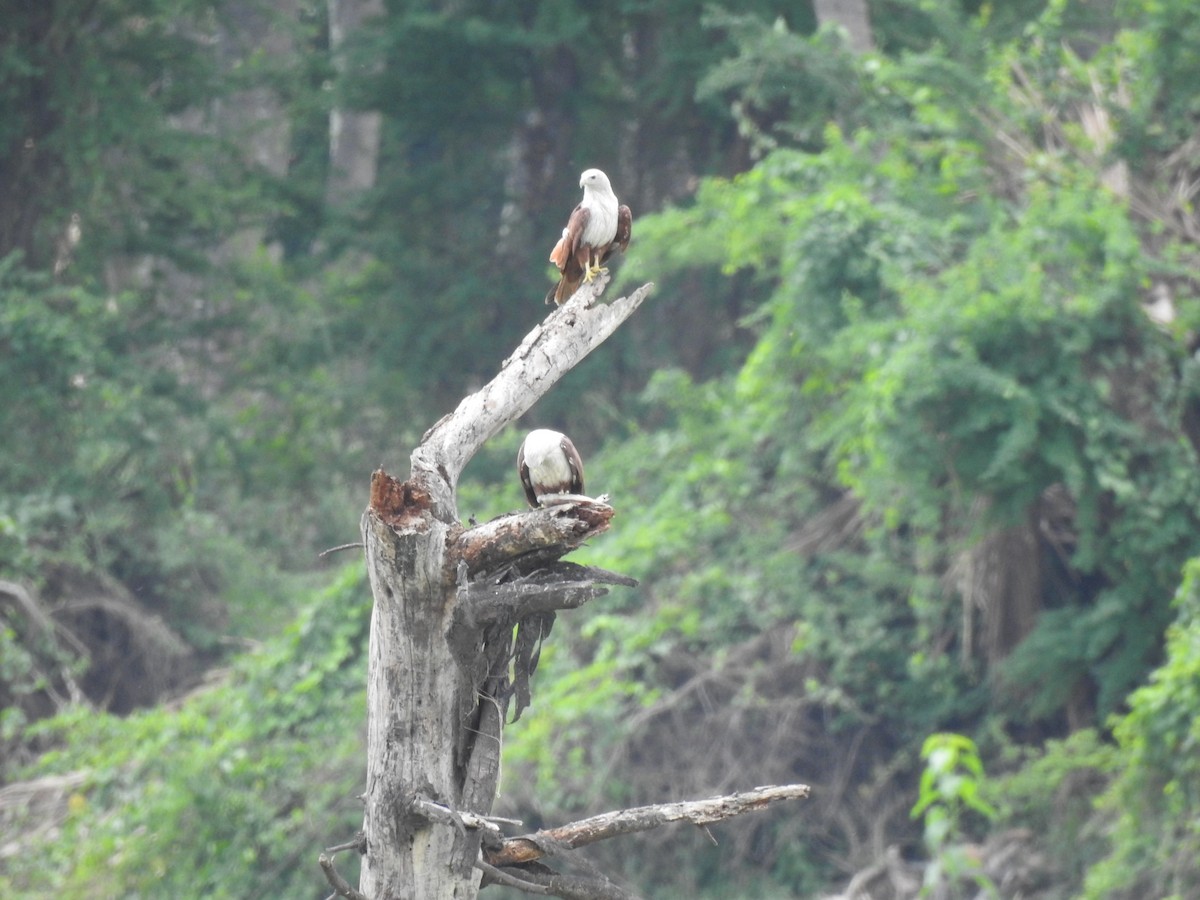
x=561 y=253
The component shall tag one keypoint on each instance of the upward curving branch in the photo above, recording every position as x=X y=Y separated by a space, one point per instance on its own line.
x=546 y=354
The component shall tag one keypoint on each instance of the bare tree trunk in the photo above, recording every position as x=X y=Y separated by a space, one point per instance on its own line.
x=446 y=606
x=456 y=631
x=353 y=134
x=414 y=720
x=853 y=16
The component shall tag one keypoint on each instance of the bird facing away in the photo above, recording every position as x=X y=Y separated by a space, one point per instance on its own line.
x=548 y=463
x=597 y=226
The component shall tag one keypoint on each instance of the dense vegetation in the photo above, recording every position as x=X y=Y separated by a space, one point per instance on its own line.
x=904 y=448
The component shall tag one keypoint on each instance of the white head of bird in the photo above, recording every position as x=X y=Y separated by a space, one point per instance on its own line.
x=548 y=463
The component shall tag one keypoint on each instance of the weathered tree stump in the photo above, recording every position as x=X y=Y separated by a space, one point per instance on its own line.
x=456 y=631
x=454 y=608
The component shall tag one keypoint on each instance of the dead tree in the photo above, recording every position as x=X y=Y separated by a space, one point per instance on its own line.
x=459 y=617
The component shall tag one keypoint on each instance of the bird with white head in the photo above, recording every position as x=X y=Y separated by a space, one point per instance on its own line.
x=597 y=227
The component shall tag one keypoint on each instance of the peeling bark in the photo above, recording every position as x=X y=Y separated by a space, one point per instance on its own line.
x=459 y=617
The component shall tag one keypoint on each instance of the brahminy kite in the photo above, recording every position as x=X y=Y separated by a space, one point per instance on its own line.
x=548 y=463
x=598 y=226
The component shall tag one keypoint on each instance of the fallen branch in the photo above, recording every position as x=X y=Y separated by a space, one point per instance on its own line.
x=643 y=818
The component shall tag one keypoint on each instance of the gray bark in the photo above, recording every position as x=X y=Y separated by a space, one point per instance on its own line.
x=442 y=628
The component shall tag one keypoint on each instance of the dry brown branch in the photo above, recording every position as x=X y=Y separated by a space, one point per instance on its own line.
x=752 y=712
x=903 y=879
x=23 y=600
x=462 y=820
x=51 y=633
x=359 y=843
x=135 y=656
x=353 y=545
x=643 y=818
x=837 y=525
x=698 y=684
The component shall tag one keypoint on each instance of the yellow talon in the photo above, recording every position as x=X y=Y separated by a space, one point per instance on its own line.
x=590 y=275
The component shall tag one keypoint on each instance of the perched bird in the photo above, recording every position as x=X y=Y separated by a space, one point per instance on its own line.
x=597 y=226
x=548 y=463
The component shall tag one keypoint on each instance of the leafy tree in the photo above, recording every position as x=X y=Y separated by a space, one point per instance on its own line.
x=955 y=336
x=230 y=792
x=950 y=786
x=899 y=337
x=96 y=111
x=1154 y=798
x=471 y=192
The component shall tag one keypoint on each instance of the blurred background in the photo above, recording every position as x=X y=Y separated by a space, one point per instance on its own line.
x=903 y=446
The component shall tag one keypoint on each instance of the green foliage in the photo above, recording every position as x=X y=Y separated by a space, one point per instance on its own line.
x=230 y=793
x=947 y=332
x=160 y=414
x=1156 y=797
x=1163 y=52
x=916 y=313
x=950 y=786
x=813 y=79
x=951 y=781
x=1006 y=376
x=127 y=469
x=90 y=123
x=1051 y=791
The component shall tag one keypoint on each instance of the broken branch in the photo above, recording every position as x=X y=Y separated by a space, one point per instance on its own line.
x=499 y=877
x=642 y=818
x=339 y=884
x=568 y=887
x=547 y=353
x=561 y=585
x=560 y=528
